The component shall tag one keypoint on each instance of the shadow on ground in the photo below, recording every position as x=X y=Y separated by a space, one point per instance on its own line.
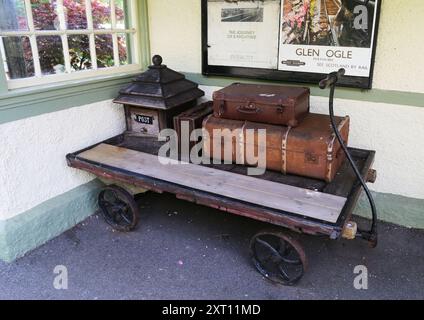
x=185 y=251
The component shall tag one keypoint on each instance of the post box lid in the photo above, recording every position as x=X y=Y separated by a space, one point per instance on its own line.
x=159 y=88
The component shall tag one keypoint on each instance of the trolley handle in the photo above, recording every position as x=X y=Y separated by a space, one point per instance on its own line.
x=332 y=79
x=372 y=235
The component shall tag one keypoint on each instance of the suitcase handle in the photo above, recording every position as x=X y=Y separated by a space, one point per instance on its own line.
x=249 y=109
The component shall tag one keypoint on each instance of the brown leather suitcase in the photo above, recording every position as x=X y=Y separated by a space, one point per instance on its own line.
x=310 y=150
x=194 y=116
x=262 y=103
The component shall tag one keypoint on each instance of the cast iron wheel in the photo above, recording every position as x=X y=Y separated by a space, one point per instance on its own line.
x=119 y=208
x=278 y=257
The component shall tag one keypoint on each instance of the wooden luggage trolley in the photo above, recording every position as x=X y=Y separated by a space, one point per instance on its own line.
x=129 y=163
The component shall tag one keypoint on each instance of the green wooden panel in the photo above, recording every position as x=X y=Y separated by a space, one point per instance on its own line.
x=144 y=33
x=30 y=102
x=42 y=223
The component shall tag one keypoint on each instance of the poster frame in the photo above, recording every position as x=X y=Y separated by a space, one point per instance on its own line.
x=279 y=75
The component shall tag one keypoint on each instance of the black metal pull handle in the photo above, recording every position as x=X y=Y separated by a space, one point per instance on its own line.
x=372 y=235
x=249 y=109
x=332 y=79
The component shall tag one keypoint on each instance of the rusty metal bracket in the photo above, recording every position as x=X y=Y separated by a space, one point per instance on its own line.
x=372 y=176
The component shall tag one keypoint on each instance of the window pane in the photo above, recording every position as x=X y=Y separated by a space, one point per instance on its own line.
x=51 y=54
x=45 y=14
x=101 y=14
x=13 y=15
x=75 y=14
x=18 y=55
x=79 y=52
x=123 y=48
x=120 y=14
x=104 y=50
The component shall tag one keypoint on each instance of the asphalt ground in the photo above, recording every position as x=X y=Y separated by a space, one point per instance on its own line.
x=184 y=251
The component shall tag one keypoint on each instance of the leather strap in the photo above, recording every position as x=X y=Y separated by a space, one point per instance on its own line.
x=284 y=142
x=330 y=149
x=242 y=143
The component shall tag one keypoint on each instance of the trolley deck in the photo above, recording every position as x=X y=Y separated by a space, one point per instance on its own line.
x=117 y=159
x=300 y=204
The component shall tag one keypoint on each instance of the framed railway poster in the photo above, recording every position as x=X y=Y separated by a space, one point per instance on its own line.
x=290 y=40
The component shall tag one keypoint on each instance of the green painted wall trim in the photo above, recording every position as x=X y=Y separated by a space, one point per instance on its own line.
x=375 y=95
x=144 y=38
x=404 y=211
x=35 y=227
x=25 y=103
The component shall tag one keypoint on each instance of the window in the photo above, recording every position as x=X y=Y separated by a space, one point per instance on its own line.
x=44 y=41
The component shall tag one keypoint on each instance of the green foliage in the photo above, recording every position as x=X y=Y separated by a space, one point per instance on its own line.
x=50 y=47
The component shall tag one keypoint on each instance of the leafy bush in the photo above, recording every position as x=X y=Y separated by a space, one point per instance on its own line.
x=50 y=47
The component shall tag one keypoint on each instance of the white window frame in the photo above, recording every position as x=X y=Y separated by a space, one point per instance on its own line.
x=31 y=33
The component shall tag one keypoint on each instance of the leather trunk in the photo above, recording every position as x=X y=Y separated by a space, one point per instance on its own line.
x=310 y=150
x=270 y=104
x=194 y=117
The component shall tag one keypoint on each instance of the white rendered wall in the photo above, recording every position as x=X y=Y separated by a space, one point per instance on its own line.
x=32 y=157
x=33 y=167
x=376 y=126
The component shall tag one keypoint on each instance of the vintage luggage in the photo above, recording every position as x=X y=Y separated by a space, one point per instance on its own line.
x=194 y=118
x=262 y=103
x=310 y=150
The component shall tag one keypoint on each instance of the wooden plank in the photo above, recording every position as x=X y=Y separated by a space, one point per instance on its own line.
x=278 y=196
x=151 y=145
